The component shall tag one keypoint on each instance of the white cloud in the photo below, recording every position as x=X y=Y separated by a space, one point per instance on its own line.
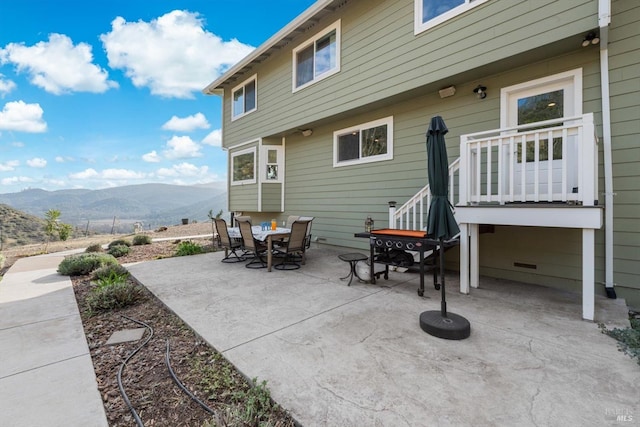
x=172 y=55
x=56 y=182
x=16 y=179
x=37 y=162
x=58 y=66
x=6 y=86
x=120 y=174
x=18 y=144
x=9 y=165
x=182 y=147
x=22 y=117
x=183 y=169
x=85 y=174
x=187 y=124
x=151 y=157
x=214 y=138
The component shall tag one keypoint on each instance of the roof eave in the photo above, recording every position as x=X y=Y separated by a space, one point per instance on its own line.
x=215 y=87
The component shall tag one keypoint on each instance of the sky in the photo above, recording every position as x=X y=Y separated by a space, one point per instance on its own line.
x=109 y=93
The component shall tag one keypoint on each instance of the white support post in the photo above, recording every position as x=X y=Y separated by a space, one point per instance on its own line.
x=589 y=162
x=474 y=255
x=464 y=258
x=392 y=215
x=463 y=181
x=588 y=273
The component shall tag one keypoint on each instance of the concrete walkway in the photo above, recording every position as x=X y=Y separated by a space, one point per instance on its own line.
x=46 y=372
x=335 y=355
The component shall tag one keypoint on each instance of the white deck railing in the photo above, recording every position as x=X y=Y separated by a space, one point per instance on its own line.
x=490 y=169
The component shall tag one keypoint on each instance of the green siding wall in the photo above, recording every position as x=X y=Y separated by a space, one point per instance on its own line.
x=624 y=65
x=398 y=61
x=271 y=197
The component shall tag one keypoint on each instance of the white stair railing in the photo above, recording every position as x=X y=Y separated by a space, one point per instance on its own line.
x=413 y=214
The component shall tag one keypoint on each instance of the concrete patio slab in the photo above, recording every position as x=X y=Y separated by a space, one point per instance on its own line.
x=353 y=356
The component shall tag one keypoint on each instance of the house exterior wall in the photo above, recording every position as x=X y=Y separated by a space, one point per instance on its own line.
x=399 y=61
x=624 y=65
x=386 y=70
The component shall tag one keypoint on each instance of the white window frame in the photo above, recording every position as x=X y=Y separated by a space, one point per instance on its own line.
x=388 y=121
x=242 y=86
x=265 y=163
x=251 y=150
x=335 y=26
x=420 y=26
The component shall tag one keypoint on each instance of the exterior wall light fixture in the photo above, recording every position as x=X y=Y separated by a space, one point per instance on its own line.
x=480 y=91
x=306 y=132
x=590 y=38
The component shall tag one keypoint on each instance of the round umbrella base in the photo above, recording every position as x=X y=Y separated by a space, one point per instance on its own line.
x=451 y=327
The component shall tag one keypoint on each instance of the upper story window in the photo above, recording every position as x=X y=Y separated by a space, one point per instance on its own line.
x=369 y=142
x=429 y=13
x=317 y=58
x=243 y=167
x=244 y=98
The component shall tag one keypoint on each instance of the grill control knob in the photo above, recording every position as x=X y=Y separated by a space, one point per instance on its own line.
x=409 y=245
x=399 y=245
x=389 y=243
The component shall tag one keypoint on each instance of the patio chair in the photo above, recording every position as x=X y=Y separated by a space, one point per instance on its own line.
x=230 y=245
x=295 y=247
x=241 y=218
x=307 y=241
x=283 y=242
x=252 y=246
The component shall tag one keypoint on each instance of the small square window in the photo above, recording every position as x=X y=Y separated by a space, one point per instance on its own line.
x=317 y=58
x=244 y=98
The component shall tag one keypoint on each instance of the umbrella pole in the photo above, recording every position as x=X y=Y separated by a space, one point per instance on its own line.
x=443 y=304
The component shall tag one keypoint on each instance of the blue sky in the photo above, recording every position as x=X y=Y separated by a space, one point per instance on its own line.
x=108 y=93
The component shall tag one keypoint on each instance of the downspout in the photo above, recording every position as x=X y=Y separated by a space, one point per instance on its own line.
x=604 y=19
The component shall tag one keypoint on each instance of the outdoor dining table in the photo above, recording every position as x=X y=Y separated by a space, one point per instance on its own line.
x=263 y=235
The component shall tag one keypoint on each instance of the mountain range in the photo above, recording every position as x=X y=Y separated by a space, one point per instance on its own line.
x=153 y=205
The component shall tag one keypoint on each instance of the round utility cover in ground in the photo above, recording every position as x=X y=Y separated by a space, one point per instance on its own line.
x=449 y=327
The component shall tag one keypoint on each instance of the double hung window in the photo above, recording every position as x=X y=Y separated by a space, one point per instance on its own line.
x=317 y=58
x=244 y=98
x=429 y=13
x=369 y=142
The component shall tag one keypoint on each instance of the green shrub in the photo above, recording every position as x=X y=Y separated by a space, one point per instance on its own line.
x=96 y=247
x=628 y=338
x=188 y=248
x=85 y=263
x=2 y=259
x=116 y=294
x=119 y=242
x=141 y=239
x=109 y=270
x=118 y=250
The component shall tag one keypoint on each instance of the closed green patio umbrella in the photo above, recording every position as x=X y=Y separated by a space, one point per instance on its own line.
x=442 y=226
x=441 y=223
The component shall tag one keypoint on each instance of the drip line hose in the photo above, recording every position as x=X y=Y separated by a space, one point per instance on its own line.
x=179 y=383
x=122 y=392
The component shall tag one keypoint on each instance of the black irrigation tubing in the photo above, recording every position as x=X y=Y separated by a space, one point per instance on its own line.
x=177 y=381
x=122 y=392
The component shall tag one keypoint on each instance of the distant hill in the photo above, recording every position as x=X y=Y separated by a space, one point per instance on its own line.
x=20 y=228
x=152 y=204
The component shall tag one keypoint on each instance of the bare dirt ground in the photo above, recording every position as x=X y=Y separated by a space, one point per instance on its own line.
x=229 y=398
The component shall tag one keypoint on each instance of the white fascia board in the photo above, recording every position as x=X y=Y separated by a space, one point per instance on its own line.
x=214 y=89
x=565 y=217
